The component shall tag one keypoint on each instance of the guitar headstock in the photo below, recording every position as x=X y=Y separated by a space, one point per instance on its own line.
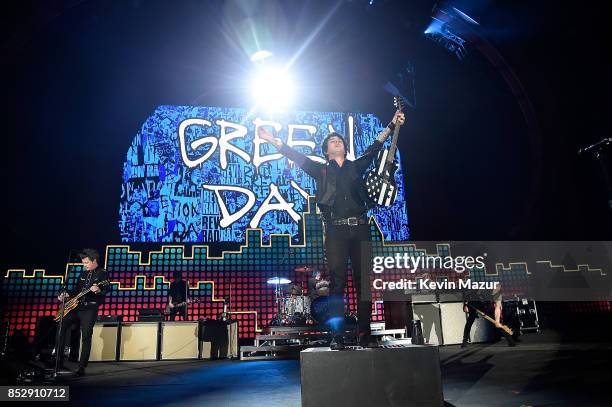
x=398 y=102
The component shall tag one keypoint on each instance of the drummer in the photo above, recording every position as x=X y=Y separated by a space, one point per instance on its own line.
x=317 y=287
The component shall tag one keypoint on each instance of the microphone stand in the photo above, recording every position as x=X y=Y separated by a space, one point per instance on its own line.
x=186 y=301
x=597 y=149
x=278 y=285
x=58 y=335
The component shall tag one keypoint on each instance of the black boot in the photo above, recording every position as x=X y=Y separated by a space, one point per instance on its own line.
x=80 y=372
x=509 y=339
x=367 y=341
x=337 y=343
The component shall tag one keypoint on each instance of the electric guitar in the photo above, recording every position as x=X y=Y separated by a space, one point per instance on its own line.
x=74 y=302
x=380 y=182
x=180 y=304
x=488 y=318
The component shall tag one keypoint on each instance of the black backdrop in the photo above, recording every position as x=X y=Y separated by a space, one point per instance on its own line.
x=79 y=77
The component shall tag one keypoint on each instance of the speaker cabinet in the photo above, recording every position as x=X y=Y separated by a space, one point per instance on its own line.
x=219 y=339
x=443 y=324
x=179 y=340
x=429 y=315
x=104 y=342
x=139 y=341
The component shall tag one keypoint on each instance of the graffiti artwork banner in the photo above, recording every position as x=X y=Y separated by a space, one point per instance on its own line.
x=200 y=174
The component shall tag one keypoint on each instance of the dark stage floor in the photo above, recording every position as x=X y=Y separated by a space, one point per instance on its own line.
x=541 y=371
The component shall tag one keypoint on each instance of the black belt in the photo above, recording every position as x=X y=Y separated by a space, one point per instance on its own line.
x=86 y=303
x=352 y=221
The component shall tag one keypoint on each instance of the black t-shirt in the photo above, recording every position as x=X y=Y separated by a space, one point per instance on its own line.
x=177 y=291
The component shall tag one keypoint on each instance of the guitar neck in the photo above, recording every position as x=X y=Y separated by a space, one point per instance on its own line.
x=79 y=295
x=488 y=318
x=393 y=147
x=180 y=304
x=82 y=293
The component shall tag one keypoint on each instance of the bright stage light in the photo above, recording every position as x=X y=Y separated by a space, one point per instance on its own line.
x=273 y=89
x=260 y=55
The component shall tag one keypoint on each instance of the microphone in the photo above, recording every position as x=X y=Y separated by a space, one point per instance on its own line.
x=601 y=143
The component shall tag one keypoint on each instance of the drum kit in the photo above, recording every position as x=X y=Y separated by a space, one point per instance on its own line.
x=294 y=307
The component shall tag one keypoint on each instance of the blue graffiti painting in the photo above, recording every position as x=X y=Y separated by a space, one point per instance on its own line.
x=199 y=174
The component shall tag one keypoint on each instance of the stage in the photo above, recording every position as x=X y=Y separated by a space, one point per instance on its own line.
x=540 y=371
x=204 y=197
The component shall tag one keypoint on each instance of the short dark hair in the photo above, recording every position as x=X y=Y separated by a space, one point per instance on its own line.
x=177 y=275
x=326 y=141
x=92 y=254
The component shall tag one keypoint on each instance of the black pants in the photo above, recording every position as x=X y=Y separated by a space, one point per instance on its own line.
x=472 y=315
x=86 y=316
x=355 y=243
x=182 y=311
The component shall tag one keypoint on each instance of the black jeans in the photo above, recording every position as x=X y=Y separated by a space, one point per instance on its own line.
x=354 y=243
x=86 y=316
x=472 y=315
x=182 y=311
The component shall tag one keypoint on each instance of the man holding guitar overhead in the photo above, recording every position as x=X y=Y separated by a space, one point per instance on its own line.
x=343 y=200
x=92 y=286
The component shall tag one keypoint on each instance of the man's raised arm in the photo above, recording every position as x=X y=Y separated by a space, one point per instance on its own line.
x=309 y=166
x=368 y=156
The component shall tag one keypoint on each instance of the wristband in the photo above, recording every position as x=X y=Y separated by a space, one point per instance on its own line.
x=391 y=126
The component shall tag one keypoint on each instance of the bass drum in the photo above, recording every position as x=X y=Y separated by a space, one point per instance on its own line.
x=296 y=305
x=319 y=309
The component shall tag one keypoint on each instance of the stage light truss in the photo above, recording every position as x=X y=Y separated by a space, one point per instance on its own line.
x=444 y=35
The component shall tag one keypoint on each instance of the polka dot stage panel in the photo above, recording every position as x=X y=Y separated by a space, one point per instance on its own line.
x=141 y=280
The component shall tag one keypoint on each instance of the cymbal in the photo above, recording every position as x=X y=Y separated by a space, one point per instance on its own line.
x=304 y=269
x=278 y=281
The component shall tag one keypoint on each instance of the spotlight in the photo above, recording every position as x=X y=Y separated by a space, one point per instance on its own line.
x=448 y=28
x=273 y=89
x=260 y=55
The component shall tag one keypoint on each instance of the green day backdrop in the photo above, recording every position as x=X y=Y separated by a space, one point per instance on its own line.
x=200 y=174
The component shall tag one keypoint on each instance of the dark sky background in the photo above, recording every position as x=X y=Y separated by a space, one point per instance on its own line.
x=80 y=77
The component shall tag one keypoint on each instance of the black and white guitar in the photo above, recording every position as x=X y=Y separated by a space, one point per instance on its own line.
x=380 y=182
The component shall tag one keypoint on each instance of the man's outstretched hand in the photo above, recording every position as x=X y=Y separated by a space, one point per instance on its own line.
x=398 y=118
x=265 y=135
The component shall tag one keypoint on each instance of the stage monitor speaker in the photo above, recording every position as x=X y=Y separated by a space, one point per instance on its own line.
x=104 y=342
x=395 y=376
x=139 y=341
x=179 y=340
